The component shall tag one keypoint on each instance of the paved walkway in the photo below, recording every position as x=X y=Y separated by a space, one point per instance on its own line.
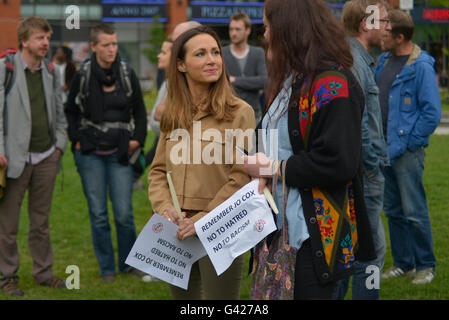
x=443 y=128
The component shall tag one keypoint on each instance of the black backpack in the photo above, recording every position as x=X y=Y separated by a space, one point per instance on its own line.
x=85 y=72
x=8 y=56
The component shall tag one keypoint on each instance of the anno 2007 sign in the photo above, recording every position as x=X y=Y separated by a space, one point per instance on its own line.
x=133 y=11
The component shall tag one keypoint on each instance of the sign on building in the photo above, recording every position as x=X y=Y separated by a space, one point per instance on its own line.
x=133 y=11
x=220 y=12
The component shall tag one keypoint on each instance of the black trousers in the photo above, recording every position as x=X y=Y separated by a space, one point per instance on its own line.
x=307 y=285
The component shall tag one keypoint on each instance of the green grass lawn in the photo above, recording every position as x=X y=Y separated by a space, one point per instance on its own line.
x=436 y=181
x=71 y=240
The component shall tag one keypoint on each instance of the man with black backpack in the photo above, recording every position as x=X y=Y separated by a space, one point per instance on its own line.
x=107 y=125
x=33 y=137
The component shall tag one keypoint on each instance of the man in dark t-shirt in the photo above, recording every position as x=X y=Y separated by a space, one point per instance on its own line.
x=386 y=79
x=245 y=64
x=411 y=111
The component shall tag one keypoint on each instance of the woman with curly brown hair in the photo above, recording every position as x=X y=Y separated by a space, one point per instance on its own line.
x=316 y=109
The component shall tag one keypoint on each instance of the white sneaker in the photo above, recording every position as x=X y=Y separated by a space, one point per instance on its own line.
x=424 y=276
x=395 y=272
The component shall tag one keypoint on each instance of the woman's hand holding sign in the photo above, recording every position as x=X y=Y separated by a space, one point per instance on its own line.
x=186 y=229
x=172 y=215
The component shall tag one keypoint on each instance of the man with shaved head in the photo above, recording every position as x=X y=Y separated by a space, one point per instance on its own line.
x=183 y=27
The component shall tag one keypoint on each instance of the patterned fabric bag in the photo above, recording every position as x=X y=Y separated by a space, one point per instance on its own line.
x=274 y=265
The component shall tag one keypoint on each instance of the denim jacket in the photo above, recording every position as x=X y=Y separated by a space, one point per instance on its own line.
x=374 y=148
x=414 y=102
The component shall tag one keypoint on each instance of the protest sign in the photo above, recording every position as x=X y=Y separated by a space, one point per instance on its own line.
x=235 y=226
x=159 y=253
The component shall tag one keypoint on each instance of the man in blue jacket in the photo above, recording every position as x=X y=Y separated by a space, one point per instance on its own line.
x=411 y=111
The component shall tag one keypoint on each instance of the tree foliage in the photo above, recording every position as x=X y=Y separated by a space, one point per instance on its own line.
x=439 y=3
x=155 y=39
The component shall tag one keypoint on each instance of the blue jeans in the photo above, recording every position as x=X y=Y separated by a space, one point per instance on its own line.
x=373 y=194
x=408 y=217
x=100 y=174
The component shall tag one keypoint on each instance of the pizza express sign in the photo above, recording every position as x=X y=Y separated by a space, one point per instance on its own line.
x=136 y=10
x=220 y=12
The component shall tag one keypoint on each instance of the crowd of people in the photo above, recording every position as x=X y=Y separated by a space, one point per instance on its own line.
x=341 y=138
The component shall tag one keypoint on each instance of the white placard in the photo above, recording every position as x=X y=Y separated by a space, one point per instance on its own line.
x=159 y=253
x=235 y=226
x=406 y=4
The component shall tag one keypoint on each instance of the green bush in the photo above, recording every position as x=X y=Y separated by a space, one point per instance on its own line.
x=156 y=37
x=444 y=93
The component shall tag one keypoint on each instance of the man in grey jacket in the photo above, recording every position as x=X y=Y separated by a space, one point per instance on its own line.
x=32 y=139
x=365 y=33
x=245 y=64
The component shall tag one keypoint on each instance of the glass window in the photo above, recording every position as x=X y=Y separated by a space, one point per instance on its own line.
x=239 y=0
x=46 y=1
x=49 y=11
x=76 y=2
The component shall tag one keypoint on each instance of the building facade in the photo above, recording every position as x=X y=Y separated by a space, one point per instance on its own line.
x=133 y=20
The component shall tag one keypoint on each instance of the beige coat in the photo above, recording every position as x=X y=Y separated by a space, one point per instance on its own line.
x=200 y=186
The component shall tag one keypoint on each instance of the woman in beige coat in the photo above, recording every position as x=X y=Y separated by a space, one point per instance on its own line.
x=201 y=125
